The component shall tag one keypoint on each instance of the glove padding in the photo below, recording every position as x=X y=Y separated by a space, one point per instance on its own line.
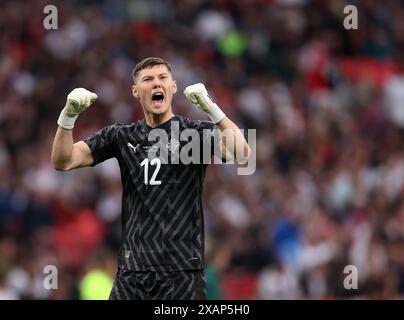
x=77 y=101
x=199 y=96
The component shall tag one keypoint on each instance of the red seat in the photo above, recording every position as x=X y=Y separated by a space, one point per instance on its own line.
x=239 y=286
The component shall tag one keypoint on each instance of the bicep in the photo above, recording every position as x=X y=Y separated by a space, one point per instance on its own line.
x=81 y=155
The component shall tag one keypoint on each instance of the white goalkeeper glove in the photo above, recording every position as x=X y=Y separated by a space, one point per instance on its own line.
x=198 y=95
x=77 y=101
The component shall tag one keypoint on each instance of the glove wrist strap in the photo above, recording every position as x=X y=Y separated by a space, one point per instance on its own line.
x=66 y=122
x=216 y=114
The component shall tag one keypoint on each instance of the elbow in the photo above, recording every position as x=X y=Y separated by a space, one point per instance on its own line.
x=59 y=166
x=247 y=151
x=242 y=157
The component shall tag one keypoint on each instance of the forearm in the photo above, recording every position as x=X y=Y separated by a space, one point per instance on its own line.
x=62 y=149
x=65 y=154
x=233 y=140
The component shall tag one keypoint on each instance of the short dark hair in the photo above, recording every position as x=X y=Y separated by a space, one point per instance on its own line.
x=148 y=63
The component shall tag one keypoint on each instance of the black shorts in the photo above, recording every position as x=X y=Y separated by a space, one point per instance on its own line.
x=159 y=285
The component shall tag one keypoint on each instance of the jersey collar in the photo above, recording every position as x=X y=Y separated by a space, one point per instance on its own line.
x=165 y=125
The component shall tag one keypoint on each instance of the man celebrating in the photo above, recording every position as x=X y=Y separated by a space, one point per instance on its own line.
x=162 y=251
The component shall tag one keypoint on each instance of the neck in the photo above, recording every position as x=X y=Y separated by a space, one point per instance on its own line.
x=154 y=120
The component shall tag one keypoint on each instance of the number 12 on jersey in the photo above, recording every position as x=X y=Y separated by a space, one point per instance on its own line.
x=145 y=163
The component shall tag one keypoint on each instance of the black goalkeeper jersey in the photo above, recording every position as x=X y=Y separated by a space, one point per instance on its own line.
x=162 y=216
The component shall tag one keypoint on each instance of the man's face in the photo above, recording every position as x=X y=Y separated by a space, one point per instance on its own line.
x=155 y=87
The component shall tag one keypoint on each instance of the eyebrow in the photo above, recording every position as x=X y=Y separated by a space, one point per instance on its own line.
x=150 y=76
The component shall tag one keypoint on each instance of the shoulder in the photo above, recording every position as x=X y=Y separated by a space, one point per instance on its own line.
x=117 y=130
x=122 y=127
x=187 y=123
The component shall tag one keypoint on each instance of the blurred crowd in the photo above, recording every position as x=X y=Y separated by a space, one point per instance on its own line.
x=326 y=104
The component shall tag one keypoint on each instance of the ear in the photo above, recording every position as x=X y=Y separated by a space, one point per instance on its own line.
x=174 y=86
x=135 y=93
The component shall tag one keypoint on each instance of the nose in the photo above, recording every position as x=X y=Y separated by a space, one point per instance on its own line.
x=156 y=83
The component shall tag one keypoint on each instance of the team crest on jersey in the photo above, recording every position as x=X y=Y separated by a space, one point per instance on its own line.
x=173 y=145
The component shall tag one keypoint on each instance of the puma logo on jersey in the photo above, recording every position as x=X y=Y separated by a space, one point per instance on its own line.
x=131 y=146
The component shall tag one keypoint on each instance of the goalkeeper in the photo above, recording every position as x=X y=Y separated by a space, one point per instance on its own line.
x=162 y=250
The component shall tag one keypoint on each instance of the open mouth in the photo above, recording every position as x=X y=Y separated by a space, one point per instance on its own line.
x=158 y=97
